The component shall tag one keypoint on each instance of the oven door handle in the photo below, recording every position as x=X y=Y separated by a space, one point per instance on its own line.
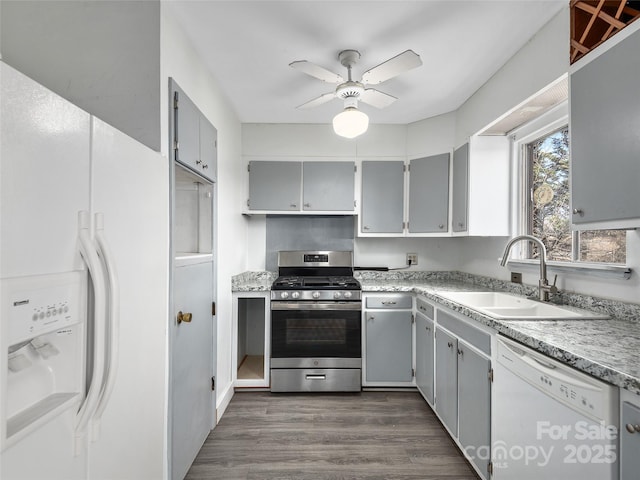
x=316 y=305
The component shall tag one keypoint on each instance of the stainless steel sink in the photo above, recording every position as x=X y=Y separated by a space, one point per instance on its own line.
x=506 y=306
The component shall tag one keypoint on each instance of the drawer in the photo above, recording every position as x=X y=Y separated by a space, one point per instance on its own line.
x=424 y=308
x=389 y=301
x=472 y=335
x=316 y=380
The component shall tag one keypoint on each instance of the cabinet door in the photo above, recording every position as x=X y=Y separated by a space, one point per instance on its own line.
x=447 y=379
x=629 y=442
x=208 y=150
x=474 y=404
x=424 y=356
x=604 y=136
x=328 y=186
x=186 y=130
x=382 y=197
x=388 y=343
x=192 y=354
x=429 y=194
x=460 y=202
x=275 y=185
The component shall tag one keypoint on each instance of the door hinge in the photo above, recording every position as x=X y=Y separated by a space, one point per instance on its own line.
x=413 y=318
x=213 y=383
x=175 y=100
x=491 y=375
x=248 y=203
x=355 y=168
x=404 y=168
x=215 y=143
x=213 y=308
x=248 y=167
x=490 y=468
x=413 y=372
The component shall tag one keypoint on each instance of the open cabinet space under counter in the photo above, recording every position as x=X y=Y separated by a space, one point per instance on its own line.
x=251 y=333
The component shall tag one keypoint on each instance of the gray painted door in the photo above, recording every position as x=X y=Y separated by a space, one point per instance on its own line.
x=605 y=171
x=629 y=442
x=447 y=379
x=192 y=399
x=328 y=186
x=429 y=194
x=275 y=185
x=382 y=197
x=460 y=185
x=474 y=404
x=389 y=353
x=424 y=356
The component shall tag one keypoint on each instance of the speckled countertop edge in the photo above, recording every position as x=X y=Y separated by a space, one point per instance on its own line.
x=608 y=349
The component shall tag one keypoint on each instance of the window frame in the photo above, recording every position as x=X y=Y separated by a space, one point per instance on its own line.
x=547 y=123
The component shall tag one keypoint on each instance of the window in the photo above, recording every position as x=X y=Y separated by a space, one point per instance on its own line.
x=547 y=208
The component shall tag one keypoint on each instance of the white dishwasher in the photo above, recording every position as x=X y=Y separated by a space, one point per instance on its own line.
x=550 y=421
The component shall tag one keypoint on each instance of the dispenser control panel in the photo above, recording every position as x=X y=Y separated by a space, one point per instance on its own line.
x=41 y=304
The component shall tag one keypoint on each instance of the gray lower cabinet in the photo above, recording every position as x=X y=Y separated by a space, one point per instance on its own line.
x=328 y=186
x=425 y=353
x=447 y=379
x=474 y=404
x=382 y=197
x=460 y=187
x=629 y=441
x=605 y=144
x=388 y=328
x=274 y=186
x=429 y=194
x=463 y=385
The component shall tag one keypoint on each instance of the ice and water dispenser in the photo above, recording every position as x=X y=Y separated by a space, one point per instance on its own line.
x=42 y=336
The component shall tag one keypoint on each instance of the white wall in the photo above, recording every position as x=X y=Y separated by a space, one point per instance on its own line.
x=180 y=61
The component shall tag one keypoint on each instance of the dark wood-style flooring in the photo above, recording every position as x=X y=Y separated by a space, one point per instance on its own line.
x=368 y=435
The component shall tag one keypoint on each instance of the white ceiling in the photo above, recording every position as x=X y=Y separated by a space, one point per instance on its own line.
x=248 y=46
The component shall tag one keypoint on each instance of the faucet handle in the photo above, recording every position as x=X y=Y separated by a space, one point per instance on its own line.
x=553 y=289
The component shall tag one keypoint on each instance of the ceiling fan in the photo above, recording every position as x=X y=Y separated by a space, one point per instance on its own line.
x=351 y=122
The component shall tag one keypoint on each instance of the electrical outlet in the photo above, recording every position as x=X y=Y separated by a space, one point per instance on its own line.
x=516 y=277
x=412 y=258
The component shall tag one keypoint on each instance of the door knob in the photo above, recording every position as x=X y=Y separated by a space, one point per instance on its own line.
x=184 y=317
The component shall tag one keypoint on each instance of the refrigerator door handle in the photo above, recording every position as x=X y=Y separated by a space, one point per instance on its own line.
x=90 y=256
x=112 y=327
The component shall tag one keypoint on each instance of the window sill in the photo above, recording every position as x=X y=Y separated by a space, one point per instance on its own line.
x=620 y=272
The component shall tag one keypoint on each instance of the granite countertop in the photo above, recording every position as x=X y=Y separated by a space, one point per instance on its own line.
x=604 y=348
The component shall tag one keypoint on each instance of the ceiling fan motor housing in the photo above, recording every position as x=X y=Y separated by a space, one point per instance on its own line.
x=349 y=90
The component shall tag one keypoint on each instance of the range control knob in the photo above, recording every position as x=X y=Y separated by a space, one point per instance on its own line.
x=315 y=294
x=295 y=295
x=284 y=295
x=347 y=294
x=337 y=295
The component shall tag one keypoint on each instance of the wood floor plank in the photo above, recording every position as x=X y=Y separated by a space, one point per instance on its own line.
x=363 y=436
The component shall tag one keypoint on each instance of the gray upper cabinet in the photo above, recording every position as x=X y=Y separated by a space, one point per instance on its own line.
x=382 y=197
x=194 y=138
x=460 y=202
x=275 y=186
x=429 y=194
x=605 y=143
x=328 y=186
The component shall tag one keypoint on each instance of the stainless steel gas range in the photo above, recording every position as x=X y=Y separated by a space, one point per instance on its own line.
x=316 y=339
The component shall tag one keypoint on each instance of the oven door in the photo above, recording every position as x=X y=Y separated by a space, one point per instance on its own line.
x=316 y=329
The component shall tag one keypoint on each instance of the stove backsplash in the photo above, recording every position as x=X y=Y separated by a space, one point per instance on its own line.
x=307 y=233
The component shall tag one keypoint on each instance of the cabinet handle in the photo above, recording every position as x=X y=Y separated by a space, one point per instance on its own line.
x=205 y=165
x=427 y=329
x=450 y=344
x=184 y=317
x=307 y=205
x=460 y=352
x=388 y=302
x=365 y=228
x=632 y=428
x=198 y=162
x=372 y=317
x=293 y=205
x=460 y=224
x=441 y=226
x=578 y=211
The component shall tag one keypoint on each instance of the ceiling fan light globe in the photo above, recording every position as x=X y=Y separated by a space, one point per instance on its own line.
x=350 y=123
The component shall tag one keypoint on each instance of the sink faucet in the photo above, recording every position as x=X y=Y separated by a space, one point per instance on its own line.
x=544 y=289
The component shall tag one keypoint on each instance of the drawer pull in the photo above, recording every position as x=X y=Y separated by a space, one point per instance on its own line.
x=632 y=428
x=316 y=377
x=388 y=302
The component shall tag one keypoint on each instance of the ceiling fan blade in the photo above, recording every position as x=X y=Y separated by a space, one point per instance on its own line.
x=392 y=67
x=377 y=98
x=318 y=101
x=316 y=71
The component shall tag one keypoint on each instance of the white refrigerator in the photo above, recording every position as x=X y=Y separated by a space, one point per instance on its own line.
x=83 y=357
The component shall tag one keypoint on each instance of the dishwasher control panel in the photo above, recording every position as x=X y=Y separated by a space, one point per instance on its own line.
x=581 y=392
